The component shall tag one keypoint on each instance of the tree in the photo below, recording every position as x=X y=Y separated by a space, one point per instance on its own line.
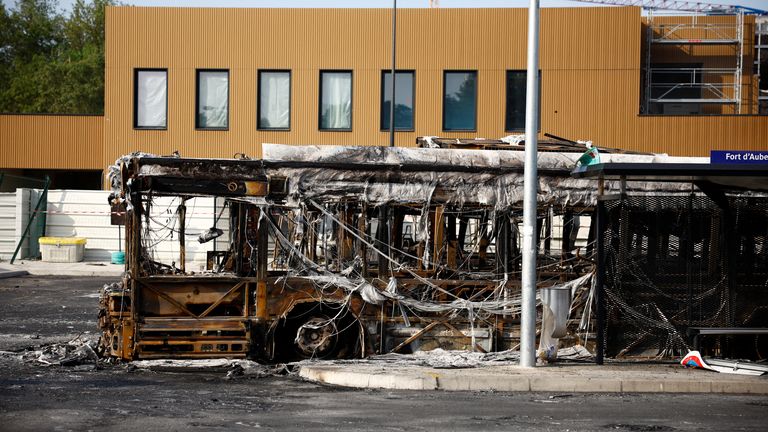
x=5 y=43
x=50 y=63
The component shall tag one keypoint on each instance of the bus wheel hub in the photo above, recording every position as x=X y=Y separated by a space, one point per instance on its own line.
x=316 y=337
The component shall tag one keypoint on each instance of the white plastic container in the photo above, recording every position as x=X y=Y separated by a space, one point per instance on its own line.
x=62 y=249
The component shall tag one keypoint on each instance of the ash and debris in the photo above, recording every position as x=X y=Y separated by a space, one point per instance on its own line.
x=449 y=359
x=82 y=350
x=233 y=367
x=83 y=353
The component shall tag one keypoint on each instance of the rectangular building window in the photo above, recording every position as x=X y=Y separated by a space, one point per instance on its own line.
x=404 y=95
x=212 y=99
x=274 y=100
x=517 y=83
x=336 y=100
x=150 y=99
x=460 y=101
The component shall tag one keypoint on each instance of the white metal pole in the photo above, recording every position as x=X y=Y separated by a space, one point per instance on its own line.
x=530 y=186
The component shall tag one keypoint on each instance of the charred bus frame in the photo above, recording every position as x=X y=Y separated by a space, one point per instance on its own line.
x=340 y=252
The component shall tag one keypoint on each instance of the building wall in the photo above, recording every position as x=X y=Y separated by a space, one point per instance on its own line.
x=51 y=142
x=590 y=62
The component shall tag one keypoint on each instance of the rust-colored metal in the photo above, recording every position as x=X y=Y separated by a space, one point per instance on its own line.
x=261 y=300
x=253 y=188
x=420 y=333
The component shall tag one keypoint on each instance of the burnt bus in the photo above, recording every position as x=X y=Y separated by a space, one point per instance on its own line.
x=337 y=252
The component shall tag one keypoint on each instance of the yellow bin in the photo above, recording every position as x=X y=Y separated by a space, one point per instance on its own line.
x=62 y=249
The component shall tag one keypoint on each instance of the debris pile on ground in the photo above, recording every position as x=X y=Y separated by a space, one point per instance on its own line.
x=76 y=352
x=443 y=359
x=575 y=353
x=234 y=368
x=82 y=351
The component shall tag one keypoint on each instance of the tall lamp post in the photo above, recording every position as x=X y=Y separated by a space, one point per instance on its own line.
x=530 y=186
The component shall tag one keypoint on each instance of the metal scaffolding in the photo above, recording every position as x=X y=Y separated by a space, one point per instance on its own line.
x=694 y=85
x=761 y=56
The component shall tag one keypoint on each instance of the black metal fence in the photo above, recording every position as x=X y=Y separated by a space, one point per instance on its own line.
x=674 y=262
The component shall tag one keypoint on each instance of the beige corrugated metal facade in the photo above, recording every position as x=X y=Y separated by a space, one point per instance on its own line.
x=591 y=62
x=51 y=142
x=306 y=41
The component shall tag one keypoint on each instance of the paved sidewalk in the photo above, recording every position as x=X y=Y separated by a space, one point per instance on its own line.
x=564 y=378
x=40 y=268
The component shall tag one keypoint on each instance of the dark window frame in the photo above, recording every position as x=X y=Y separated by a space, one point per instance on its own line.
x=258 y=99
x=384 y=72
x=197 y=99
x=351 y=100
x=477 y=81
x=506 y=100
x=136 y=99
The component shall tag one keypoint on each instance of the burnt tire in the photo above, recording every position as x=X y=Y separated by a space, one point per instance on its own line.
x=314 y=331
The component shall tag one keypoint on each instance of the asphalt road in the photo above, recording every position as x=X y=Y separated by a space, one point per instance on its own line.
x=34 y=397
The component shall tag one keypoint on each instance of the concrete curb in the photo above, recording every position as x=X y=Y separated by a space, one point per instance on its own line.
x=525 y=380
x=82 y=273
x=5 y=274
x=82 y=269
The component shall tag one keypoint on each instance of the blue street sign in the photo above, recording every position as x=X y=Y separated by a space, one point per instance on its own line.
x=738 y=157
